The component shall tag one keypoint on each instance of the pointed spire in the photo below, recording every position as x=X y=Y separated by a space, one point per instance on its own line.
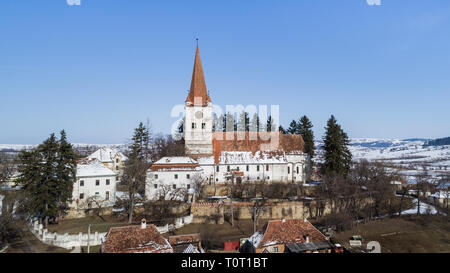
x=198 y=94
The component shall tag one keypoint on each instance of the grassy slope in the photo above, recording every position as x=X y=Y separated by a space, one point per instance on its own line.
x=408 y=234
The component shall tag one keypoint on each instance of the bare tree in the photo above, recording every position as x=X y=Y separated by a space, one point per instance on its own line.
x=167 y=198
x=422 y=185
x=96 y=204
x=258 y=208
x=198 y=184
x=169 y=193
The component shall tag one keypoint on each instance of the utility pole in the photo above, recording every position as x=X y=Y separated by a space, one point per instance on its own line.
x=232 y=213
x=89 y=237
x=254 y=219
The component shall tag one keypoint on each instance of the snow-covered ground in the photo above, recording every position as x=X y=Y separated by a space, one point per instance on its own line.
x=424 y=209
x=410 y=155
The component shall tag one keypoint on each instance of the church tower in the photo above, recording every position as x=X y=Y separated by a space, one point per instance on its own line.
x=198 y=122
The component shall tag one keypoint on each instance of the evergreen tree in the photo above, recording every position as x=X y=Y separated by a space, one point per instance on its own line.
x=254 y=123
x=224 y=122
x=270 y=124
x=136 y=166
x=337 y=158
x=247 y=122
x=281 y=129
x=66 y=172
x=39 y=177
x=292 y=128
x=49 y=151
x=242 y=122
x=30 y=180
x=216 y=124
x=304 y=128
x=230 y=124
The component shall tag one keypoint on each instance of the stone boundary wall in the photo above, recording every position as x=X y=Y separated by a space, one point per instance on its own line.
x=216 y=212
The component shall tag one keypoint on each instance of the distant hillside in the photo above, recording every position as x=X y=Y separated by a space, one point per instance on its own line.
x=438 y=142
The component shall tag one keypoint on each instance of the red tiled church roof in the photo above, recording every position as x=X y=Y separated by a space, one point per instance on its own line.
x=198 y=95
x=253 y=142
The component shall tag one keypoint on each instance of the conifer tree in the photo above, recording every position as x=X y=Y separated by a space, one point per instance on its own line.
x=292 y=127
x=242 y=122
x=224 y=122
x=66 y=172
x=337 y=158
x=270 y=124
x=136 y=166
x=30 y=180
x=304 y=128
x=247 y=122
x=254 y=123
x=281 y=130
x=38 y=169
x=47 y=174
x=230 y=123
x=217 y=123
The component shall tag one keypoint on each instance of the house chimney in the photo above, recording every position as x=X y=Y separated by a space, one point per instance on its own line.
x=283 y=220
x=143 y=223
x=304 y=220
x=306 y=238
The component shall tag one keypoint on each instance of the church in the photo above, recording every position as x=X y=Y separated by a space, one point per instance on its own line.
x=224 y=157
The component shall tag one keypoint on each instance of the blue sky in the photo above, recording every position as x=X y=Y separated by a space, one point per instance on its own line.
x=98 y=69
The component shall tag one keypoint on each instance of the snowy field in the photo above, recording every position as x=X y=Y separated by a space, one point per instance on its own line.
x=409 y=155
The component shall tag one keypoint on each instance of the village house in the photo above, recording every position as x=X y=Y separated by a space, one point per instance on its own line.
x=111 y=158
x=135 y=239
x=95 y=185
x=441 y=196
x=288 y=235
x=186 y=243
x=222 y=157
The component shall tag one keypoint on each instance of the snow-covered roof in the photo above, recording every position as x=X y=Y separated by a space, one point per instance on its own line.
x=190 y=249
x=106 y=154
x=175 y=163
x=440 y=195
x=444 y=185
x=125 y=195
x=92 y=167
x=175 y=160
x=256 y=238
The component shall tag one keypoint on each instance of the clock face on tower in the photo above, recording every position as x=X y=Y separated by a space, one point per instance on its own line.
x=199 y=115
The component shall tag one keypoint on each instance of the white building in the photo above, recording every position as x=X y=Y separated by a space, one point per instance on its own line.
x=221 y=157
x=111 y=158
x=171 y=177
x=95 y=185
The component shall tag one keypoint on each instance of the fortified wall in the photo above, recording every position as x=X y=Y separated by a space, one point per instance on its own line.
x=217 y=212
